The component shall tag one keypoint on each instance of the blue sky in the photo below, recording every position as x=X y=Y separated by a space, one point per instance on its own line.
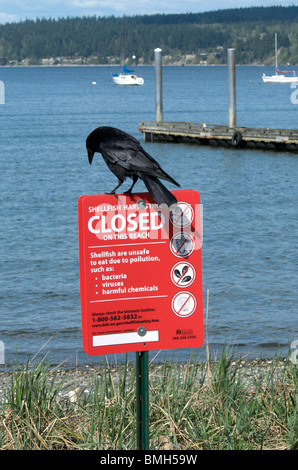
x=16 y=10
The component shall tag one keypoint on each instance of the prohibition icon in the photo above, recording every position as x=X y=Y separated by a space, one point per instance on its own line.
x=183 y=274
x=182 y=244
x=184 y=304
x=182 y=215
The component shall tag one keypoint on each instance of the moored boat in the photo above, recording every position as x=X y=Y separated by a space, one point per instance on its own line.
x=280 y=75
x=127 y=78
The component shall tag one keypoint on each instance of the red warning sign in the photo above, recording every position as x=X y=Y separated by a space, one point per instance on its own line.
x=140 y=273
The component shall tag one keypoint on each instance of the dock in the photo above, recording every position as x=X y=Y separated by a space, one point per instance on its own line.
x=229 y=135
x=220 y=135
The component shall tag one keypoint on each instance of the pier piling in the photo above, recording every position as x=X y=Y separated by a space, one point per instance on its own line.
x=158 y=85
x=232 y=88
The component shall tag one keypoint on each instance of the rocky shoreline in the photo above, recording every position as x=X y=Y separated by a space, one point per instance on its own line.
x=81 y=62
x=75 y=381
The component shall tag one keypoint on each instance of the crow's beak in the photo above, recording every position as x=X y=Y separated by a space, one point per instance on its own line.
x=90 y=156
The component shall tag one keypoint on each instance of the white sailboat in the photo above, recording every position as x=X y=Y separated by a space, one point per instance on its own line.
x=280 y=76
x=127 y=77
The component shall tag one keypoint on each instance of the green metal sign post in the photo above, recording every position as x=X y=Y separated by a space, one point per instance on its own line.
x=142 y=390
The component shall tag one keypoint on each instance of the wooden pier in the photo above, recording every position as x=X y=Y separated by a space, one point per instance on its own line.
x=230 y=135
x=219 y=135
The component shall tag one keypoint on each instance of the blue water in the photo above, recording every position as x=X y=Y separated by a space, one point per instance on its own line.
x=249 y=199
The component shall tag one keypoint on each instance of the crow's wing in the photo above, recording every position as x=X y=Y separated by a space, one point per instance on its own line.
x=129 y=154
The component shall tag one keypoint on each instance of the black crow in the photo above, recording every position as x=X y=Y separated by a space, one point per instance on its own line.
x=125 y=156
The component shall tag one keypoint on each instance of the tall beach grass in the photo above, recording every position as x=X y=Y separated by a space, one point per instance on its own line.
x=214 y=405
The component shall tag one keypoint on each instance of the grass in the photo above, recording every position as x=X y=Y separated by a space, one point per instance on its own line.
x=193 y=406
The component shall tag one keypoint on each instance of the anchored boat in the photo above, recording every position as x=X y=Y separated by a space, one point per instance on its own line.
x=280 y=76
x=127 y=78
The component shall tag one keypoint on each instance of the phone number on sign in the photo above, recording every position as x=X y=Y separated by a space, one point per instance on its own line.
x=132 y=316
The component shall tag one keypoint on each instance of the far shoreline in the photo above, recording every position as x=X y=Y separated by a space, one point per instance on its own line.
x=119 y=66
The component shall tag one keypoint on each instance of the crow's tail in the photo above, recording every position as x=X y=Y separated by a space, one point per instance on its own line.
x=158 y=191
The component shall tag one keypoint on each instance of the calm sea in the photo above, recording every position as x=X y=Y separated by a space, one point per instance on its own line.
x=249 y=199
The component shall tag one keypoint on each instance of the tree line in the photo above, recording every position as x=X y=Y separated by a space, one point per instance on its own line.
x=198 y=36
